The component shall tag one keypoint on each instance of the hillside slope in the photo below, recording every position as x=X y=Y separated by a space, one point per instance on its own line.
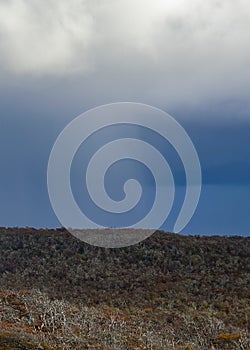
x=168 y=292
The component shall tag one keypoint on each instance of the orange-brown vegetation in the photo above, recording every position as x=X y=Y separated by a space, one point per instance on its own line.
x=168 y=292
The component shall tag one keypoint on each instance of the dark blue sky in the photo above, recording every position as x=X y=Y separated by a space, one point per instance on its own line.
x=192 y=64
x=29 y=129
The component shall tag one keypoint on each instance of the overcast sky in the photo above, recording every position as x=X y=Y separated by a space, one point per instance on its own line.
x=190 y=58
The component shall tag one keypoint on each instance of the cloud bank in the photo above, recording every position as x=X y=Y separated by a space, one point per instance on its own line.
x=61 y=36
x=186 y=50
x=59 y=58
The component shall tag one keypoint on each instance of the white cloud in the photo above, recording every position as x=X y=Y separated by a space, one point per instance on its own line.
x=45 y=37
x=183 y=49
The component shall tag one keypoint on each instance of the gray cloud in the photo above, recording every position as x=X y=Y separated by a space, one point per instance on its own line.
x=44 y=37
x=191 y=58
x=165 y=52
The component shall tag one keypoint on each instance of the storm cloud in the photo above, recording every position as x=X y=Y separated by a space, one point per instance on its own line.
x=59 y=58
x=187 y=51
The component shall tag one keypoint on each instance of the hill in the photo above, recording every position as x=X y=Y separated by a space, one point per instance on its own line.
x=167 y=292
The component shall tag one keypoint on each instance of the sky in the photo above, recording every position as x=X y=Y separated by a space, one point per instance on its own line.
x=189 y=58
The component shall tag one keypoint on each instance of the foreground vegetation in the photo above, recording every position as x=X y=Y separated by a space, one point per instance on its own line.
x=168 y=292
